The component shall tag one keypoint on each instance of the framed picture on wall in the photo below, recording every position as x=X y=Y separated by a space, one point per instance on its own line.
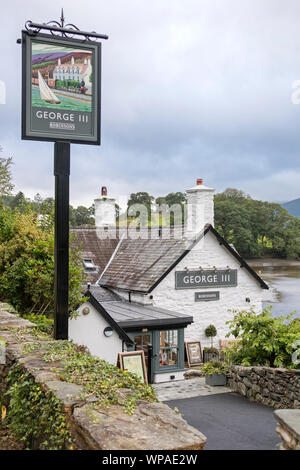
x=193 y=353
x=134 y=362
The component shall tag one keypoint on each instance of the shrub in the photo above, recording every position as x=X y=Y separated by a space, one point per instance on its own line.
x=210 y=332
x=27 y=263
x=264 y=340
x=215 y=367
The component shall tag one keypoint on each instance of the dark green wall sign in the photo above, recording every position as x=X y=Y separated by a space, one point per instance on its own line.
x=61 y=89
x=205 y=278
x=206 y=296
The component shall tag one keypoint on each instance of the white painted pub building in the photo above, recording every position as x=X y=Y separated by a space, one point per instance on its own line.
x=160 y=289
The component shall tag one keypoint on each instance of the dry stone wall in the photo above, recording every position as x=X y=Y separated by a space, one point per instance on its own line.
x=278 y=388
x=288 y=429
x=153 y=426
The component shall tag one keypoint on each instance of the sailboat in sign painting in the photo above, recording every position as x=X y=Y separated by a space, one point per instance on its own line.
x=45 y=93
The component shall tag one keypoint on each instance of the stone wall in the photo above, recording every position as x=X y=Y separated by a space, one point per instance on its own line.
x=278 y=388
x=153 y=426
x=288 y=428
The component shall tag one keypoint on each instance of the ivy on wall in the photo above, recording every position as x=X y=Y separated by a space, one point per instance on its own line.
x=35 y=417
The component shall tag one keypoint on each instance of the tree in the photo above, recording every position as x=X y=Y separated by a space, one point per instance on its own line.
x=27 y=264
x=6 y=185
x=83 y=216
x=256 y=228
x=19 y=201
x=144 y=199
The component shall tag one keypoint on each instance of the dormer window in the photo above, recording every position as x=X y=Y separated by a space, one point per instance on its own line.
x=89 y=265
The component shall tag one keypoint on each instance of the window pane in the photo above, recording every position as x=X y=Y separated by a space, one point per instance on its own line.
x=169 y=338
x=146 y=340
x=168 y=357
x=168 y=348
x=138 y=340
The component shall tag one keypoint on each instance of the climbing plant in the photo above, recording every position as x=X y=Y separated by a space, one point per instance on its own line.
x=35 y=417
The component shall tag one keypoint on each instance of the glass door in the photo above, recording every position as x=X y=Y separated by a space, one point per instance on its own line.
x=142 y=340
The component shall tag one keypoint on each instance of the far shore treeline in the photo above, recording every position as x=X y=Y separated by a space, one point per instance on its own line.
x=256 y=228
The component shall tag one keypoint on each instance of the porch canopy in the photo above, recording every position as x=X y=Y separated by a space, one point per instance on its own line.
x=133 y=316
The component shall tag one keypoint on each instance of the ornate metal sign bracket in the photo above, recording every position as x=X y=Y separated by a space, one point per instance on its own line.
x=59 y=29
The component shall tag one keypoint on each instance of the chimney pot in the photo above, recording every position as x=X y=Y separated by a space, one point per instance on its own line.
x=199 y=181
x=104 y=191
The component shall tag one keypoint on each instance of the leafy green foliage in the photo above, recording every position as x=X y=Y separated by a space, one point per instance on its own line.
x=214 y=367
x=144 y=199
x=6 y=185
x=100 y=379
x=35 y=417
x=256 y=228
x=264 y=340
x=42 y=322
x=211 y=331
x=27 y=263
x=81 y=216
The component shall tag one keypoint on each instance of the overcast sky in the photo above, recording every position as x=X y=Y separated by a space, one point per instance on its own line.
x=190 y=89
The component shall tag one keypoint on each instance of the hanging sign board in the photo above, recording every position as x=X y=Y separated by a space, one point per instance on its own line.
x=205 y=278
x=60 y=89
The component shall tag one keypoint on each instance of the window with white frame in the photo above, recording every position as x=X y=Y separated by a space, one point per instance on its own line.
x=89 y=265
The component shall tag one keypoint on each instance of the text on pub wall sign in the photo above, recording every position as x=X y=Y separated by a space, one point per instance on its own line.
x=205 y=278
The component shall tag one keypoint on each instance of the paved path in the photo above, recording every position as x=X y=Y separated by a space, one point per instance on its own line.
x=186 y=389
x=229 y=421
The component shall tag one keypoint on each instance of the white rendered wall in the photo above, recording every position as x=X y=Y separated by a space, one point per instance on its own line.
x=208 y=253
x=88 y=329
x=200 y=209
x=160 y=378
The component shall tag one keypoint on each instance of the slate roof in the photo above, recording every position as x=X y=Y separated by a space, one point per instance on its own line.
x=103 y=295
x=95 y=248
x=140 y=264
x=131 y=315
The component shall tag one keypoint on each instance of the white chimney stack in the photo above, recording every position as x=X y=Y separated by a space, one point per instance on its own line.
x=200 y=207
x=105 y=212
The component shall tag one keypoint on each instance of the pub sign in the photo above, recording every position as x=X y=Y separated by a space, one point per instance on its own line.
x=205 y=278
x=60 y=89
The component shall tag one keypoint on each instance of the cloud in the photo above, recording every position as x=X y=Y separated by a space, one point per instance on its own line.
x=189 y=89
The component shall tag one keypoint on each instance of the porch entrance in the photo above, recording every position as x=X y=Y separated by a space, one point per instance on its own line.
x=142 y=341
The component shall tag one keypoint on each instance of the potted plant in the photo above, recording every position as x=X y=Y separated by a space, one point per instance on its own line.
x=210 y=354
x=215 y=373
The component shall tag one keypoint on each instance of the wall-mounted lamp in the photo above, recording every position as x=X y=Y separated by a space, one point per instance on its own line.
x=108 y=331
x=85 y=310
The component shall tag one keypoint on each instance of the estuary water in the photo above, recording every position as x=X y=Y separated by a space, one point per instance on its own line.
x=66 y=102
x=283 y=279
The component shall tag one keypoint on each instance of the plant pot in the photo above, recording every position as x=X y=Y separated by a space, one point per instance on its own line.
x=210 y=356
x=215 y=379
